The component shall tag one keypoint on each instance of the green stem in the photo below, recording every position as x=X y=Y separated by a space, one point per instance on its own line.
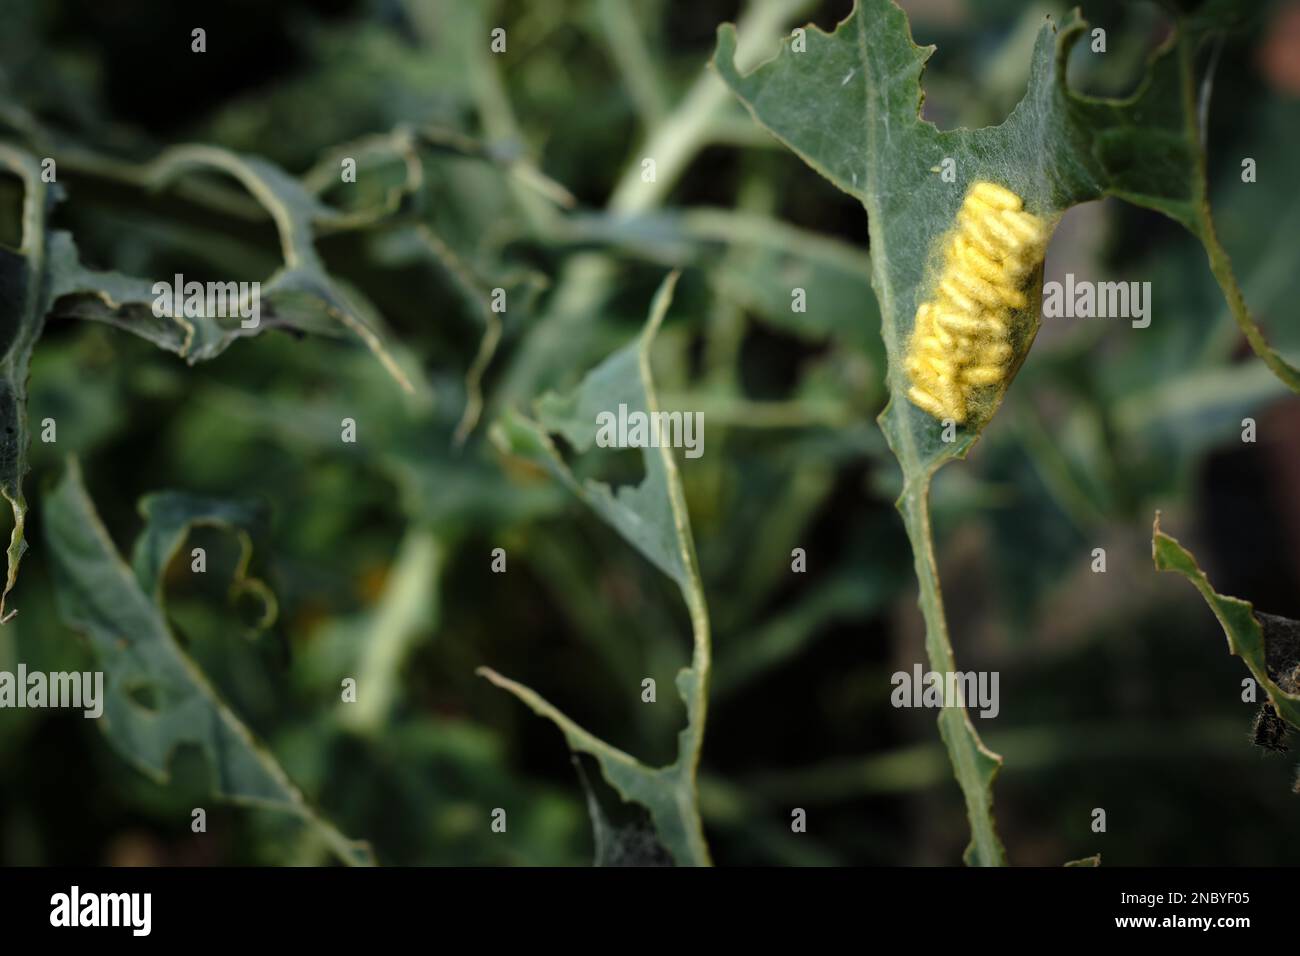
x=674 y=142
x=973 y=764
x=406 y=612
x=1220 y=264
x=695 y=691
x=628 y=49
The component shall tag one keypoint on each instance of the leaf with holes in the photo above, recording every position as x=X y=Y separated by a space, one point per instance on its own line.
x=652 y=518
x=155 y=697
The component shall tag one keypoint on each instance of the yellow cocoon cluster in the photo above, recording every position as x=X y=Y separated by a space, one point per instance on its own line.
x=961 y=339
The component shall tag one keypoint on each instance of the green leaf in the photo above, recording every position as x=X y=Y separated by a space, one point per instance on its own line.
x=155 y=697
x=127 y=303
x=303 y=281
x=1254 y=638
x=301 y=295
x=652 y=517
x=24 y=298
x=849 y=105
x=171 y=515
x=394 y=183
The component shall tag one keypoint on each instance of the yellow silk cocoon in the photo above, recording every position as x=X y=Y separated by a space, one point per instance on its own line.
x=961 y=339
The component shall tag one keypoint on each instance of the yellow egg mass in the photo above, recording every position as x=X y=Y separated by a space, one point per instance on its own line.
x=961 y=339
